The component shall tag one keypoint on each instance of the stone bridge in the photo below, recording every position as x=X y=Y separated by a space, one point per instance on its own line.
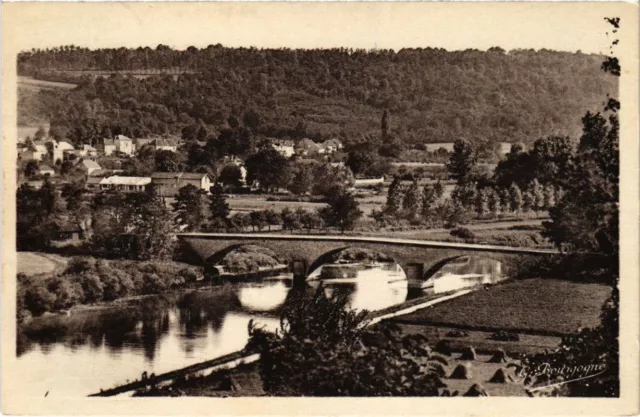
x=418 y=258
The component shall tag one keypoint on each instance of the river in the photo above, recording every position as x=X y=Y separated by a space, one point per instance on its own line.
x=93 y=349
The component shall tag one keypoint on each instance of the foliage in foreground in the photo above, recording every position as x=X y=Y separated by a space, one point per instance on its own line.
x=324 y=349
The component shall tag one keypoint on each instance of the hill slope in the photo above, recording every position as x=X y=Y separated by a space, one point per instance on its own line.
x=432 y=95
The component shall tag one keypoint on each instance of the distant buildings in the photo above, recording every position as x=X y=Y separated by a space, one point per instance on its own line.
x=45 y=170
x=59 y=149
x=308 y=147
x=120 y=144
x=165 y=145
x=158 y=144
x=36 y=153
x=89 y=167
x=284 y=147
x=168 y=183
x=123 y=184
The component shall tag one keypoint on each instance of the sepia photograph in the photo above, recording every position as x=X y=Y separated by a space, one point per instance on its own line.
x=208 y=201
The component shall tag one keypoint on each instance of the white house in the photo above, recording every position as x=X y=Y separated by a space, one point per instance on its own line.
x=89 y=166
x=124 y=144
x=46 y=170
x=168 y=183
x=59 y=149
x=285 y=148
x=125 y=184
x=165 y=145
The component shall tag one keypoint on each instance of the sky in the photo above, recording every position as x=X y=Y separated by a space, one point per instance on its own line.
x=453 y=26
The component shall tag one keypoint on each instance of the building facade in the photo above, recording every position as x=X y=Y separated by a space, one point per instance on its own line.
x=168 y=183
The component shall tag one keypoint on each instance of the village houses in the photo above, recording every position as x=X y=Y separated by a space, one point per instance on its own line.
x=120 y=183
x=46 y=170
x=284 y=147
x=120 y=144
x=168 y=183
x=89 y=167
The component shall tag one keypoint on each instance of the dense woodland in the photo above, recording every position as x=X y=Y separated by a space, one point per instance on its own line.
x=431 y=95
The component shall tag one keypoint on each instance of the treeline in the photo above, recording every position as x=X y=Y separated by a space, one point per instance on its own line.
x=87 y=280
x=512 y=96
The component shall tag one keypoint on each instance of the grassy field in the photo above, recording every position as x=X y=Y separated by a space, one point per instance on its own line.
x=31 y=263
x=535 y=306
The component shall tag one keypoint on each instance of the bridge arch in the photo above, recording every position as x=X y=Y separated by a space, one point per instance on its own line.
x=438 y=266
x=329 y=255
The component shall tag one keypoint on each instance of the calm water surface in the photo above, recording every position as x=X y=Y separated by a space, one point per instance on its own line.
x=77 y=355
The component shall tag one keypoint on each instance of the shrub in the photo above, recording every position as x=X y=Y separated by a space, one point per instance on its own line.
x=190 y=275
x=340 y=357
x=67 y=294
x=505 y=336
x=78 y=265
x=153 y=284
x=92 y=287
x=38 y=299
x=462 y=233
x=111 y=287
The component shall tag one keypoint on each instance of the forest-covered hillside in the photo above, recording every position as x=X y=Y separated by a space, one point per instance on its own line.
x=431 y=95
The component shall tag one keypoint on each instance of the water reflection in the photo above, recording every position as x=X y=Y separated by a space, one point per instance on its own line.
x=78 y=354
x=369 y=286
x=465 y=272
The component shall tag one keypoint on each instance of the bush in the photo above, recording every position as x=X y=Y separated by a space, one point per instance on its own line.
x=67 y=294
x=339 y=355
x=38 y=299
x=92 y=287
x=505 y=336
x=153 y=284
x=78 y=265
x=463 y=233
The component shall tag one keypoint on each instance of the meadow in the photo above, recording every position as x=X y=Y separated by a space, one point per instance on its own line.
x=532 y=306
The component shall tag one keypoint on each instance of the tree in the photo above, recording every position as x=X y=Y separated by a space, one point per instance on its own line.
x=189 y=208
x=231 y=176
x=31 y=169
x=272 y=218
x=328 y=177
x=258 y=219
x=290 y=219
x=218 y=206
x=241 y=221
x=589 y=205
x=516 y=198
x=342 y=211
x=152 y=224
x=482 y=202
x=40 y=133
x=344 y=357
x=360 y=159
x=310 y=220
x=528 y=201
x=537 y=195
x=395 y=197
x=268 y=168
x=463 y=161
x=464 y=195
x=412 y=203
x=302 y=179
x=494 y=202
x=167 y=161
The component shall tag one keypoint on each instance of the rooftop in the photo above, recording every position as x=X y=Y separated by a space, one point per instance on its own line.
x=118 y=180
x=178 y=175
x=91 y=164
